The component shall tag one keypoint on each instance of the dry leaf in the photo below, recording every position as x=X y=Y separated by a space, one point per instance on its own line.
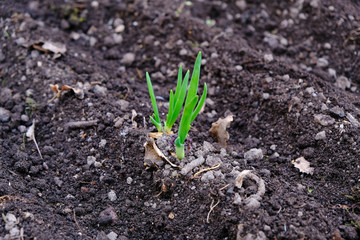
x=218 y=130
x=153 y=155
x=303 y=165
x=54 y=47
x=79 y=92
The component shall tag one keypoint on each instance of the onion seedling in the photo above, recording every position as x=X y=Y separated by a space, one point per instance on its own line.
x=189 y=114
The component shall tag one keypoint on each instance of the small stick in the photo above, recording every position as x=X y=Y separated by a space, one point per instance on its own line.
x=207 y=169
x=211 y=209
x=77 y=224
x=224 y=187
x=80 y=124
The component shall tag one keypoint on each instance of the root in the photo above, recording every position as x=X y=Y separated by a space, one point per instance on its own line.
x=212 y=206
x=207 y=169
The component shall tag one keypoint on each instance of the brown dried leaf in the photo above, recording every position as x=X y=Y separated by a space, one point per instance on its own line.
x=54 y=47
x=153 y=155
x=218 y=130
x=303 y=165
x=54 y=88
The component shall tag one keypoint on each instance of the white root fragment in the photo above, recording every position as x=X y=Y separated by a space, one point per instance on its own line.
x=30 y=133
x=154 y=155
x=252 y=201
x=218 y=130
x=133 y=115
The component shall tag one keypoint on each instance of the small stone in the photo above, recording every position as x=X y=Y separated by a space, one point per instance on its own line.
x=117 y=38
x=149 y=40
x=129 y=180
x=322 y=63
x=123 y=104
x=112 y=195
x=24 y=118
x=338 y=111
x=14 y=232
x=119 y=122
x=95 y=4
x=207 y=177
x=183 y=52
x=320 y=136
x=128 y=59
x=112 y=236
x=342 y=82
x=102 y=143
x=241 y=4
x=268 y=58
x=327 y=45
x=100 y=91
x=97 y=164
x=352 y=120
x=251 y=203
x=120 y=28
x=57 y=181
x=11 y=217
x=5 y=95
x=266 y=96
x=324 y=120
x=254 y=154
x=22 y=128
x=310 y=90
x=108 y=217
x=273 y=42
x=212 y=160
x=92 y=41
x=332 y=72
x=238 y=68
x=91 y=160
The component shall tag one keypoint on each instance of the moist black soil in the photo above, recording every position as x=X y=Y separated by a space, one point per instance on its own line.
x=287 y=71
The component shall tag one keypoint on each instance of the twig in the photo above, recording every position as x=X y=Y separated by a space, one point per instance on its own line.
x=207 y=169
x=37 y=147
x=80 y=124
x=211 y=209
x=76 y=222
x=224 y=187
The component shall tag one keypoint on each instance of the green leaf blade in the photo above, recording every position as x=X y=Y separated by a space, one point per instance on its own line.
x=156 y=121
x=186 y=120
x=194 y=79
x=200 y=104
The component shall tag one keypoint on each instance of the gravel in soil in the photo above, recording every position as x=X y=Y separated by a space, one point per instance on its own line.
x=74 y=110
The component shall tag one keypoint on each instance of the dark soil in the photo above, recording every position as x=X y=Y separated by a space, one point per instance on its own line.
x=274 y=65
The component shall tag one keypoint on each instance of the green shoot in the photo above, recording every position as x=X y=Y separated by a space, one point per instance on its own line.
x=189 y=114
x=156 y=119
x=176 y=102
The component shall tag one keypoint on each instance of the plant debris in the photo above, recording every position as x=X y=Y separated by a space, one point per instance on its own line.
x=218 y=130
x=303 y=165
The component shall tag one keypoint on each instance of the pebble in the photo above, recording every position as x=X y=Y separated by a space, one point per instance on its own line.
x=342 y=82
x=22 y=128
x=254 y=154
x=128 y=59
x=112 y=236
x=213 y=160
x=332 y=72
x=149 y=40
x=57 y=181
x=123 y=104
x=266 y=96
x=91 y=160
x=208 y=176
x=119 y=28
x=100 y=91
x=129 y=180
x=117 y=38
x=5 y=95
x=112 y=195
x=92 y=41
x=108 y=217
x=268 y=58
x=324 y=120
x=322 y=63
x=241 y=4
x=95 y=4
x=24 y=118
x=102 y=143
x=238 y=68
x=320 y=135
x=183 y=52
x=352 y=120
x=338 y=111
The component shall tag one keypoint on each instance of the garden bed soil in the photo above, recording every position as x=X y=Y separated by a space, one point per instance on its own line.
x=287 y=71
